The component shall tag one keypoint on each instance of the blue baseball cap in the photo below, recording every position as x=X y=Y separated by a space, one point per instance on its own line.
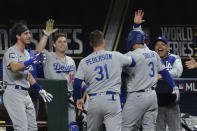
x=160 y=38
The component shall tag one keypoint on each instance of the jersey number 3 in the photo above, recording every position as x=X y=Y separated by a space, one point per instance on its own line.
x=151 y=65
x=101 y=71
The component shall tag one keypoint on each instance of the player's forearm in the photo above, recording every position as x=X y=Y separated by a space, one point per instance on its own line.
x=42 y=44
x=31 y=79
x=17 y=66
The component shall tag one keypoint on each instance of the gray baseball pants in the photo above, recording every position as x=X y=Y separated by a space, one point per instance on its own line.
x=20 y=109
x=105 y=109
x=140 y=106
x=169 y=116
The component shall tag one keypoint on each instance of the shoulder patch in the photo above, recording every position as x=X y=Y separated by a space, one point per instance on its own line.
x=12 y=55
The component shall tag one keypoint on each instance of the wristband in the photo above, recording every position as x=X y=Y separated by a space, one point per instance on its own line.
x=28 y=62
x=84 y=87
x=136 y=25
x=37 y=86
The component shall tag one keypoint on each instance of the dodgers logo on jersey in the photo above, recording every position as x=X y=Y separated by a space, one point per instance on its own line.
x=62 y=68
x=168 y=65
x=168 y=62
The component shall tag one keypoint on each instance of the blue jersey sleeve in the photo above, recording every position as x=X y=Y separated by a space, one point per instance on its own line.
x=77 y=88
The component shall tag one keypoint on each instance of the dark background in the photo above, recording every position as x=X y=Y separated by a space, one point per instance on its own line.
x=91 y=14
x=157 y=12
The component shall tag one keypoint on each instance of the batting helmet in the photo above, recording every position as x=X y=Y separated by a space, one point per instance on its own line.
x=160 y=38
x=135 y=37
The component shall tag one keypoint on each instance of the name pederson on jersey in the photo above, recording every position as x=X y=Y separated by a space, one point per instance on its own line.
x=102 y=70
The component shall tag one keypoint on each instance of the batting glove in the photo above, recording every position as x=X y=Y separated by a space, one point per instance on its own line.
x=176 y=91
x=49 y=27
x=47 y=97
x=38 y=58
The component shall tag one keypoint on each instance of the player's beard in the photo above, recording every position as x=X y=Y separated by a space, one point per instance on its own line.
x=25 y=41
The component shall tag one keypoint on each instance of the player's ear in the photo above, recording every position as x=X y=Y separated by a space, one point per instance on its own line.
x=17 y=36
x=54 y=45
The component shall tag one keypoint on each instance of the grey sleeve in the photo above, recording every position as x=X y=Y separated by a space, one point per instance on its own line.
x=177 y=68
x=74 y=67
x=125 y=60
x=80 y=72
x=11 y=56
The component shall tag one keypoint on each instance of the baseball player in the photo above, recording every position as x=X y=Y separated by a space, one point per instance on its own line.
x=101 y=70
x=58 y=65
x=16 y=73
x=191 y=64
x=169 y=115
x=141 y=103
x=36 y=72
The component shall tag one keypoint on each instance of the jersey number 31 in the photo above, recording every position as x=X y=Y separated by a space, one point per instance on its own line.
x=102 y=71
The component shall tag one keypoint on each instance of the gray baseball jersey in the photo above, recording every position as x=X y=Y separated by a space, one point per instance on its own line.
x=56 y=67
x=144 y=74
x=141 y=104
x=101 y=71
x=18 y=102
x=20 y=77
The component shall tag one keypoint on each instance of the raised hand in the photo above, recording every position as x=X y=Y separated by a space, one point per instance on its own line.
x=49 y=27
x=191 y=64
x=138 y=19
